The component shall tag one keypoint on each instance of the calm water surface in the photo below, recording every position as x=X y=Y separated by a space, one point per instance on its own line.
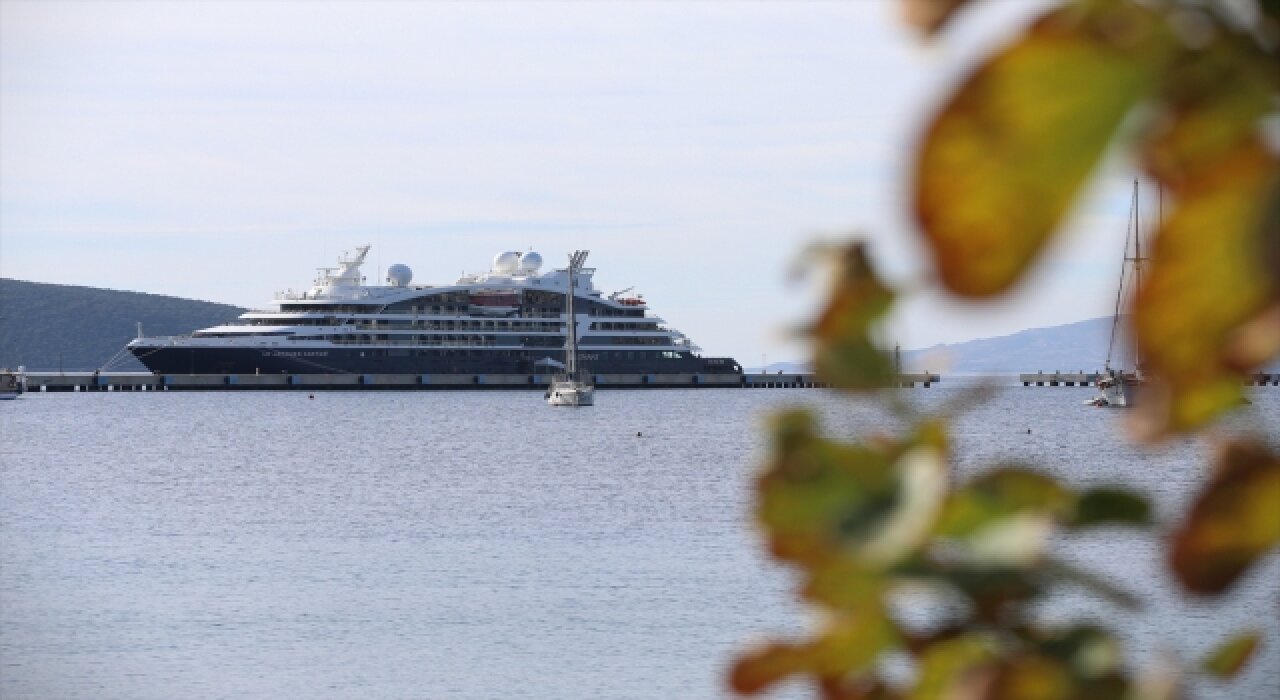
x=481 y=544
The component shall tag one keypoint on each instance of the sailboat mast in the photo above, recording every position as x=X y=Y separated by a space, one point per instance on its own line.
x=1124 y=262
x=571 y=323
x=571 y=326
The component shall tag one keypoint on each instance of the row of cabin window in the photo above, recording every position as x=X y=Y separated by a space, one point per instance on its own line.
x=521 y=354
x=450 y=325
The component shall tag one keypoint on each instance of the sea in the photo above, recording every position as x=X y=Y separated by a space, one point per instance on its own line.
x=481 y=544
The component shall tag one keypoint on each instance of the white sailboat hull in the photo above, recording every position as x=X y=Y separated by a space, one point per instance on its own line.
x=570 y=394
x=1117 y=391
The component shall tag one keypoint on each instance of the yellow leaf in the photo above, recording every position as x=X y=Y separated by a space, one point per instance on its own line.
x=1202 y=317
x=1227 y=660
x=1234 y=522
x=1007 y=154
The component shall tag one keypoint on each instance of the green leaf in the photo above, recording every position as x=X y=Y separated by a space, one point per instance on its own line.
x=1110 y=506
x=821 y=499
x=1006 y=156
x=1233 y=523
x=1001 y=494
x=818 y=497
x=1231 y=656
x=846 y=353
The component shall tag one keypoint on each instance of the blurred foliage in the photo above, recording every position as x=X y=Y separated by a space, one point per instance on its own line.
x=1231 y=656
x=1188 y=90
x=880 y=527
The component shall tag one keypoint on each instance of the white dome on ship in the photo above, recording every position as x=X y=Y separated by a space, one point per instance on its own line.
x=399 y=275
x=530 y=262
x=506 y=263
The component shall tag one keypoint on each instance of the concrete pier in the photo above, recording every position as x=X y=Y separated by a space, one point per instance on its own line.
x=810 y=381
x=1056 y=378
x=141 y=381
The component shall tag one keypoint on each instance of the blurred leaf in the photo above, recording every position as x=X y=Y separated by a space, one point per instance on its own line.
x=847 y=646
x=922 y=475
x=846 y=355
x=1014 y=541
x=844 y=583
x=818 y=497
x=1031 y=677
x=1234 y=521
x=948 y=666
x=821 y=500
x=1093 y=583
x=1231 y=656
x=1255 y=341
x=1091 y=652
x=1000 y=494
x=758 y=670
x=1201 y=316
x=929 y=15
x=860 y=688
x=993 y=591
x=1007 y=154
x=1110 y=506
x=852 y=641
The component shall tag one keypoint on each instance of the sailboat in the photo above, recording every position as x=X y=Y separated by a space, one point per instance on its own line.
x=1118 y=387
x=573 y=386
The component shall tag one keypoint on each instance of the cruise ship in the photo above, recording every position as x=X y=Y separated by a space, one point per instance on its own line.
x=508 y=320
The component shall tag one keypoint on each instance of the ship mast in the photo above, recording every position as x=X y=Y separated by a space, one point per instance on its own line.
x=576 y=259
x=1137 y=261
x=1130 y=232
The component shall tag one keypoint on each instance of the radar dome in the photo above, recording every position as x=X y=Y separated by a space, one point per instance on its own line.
x=399 y=275
x=505 y=263
x=530 y=262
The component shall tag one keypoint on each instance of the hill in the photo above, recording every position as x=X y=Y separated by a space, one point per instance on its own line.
x=1071 y=347
x=42 y=325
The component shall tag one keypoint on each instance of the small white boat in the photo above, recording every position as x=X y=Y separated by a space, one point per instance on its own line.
x=12 y=383
x=573 y=386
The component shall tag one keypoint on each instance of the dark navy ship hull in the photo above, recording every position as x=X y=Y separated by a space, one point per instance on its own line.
x=208 y=360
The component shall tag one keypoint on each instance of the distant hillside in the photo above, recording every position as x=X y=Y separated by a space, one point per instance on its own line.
x=87 y=326
x=1071 y=347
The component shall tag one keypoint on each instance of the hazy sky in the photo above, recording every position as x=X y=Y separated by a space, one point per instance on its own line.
x=222 y=151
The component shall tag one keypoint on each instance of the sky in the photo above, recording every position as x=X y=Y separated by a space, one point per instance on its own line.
x=223 y=151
